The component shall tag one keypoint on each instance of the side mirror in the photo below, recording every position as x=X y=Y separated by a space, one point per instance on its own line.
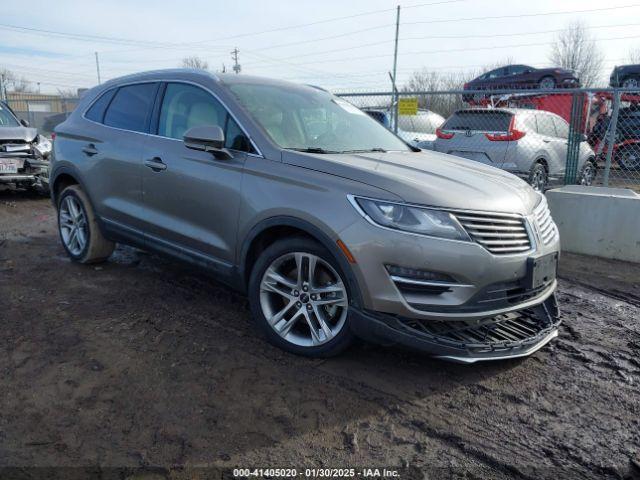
x=207 y=138
x=24 y=123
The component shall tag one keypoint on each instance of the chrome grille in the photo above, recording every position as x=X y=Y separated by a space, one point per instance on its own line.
x=546 y=227
x=501 y=234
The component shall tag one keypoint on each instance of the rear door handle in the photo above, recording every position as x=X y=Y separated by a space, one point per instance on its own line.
x=90 y=150
x=156 y=164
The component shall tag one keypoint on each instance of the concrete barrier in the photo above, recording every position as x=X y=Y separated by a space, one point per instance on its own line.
x=599 y=221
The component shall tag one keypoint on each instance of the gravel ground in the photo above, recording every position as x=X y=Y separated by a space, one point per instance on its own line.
x=145 y=363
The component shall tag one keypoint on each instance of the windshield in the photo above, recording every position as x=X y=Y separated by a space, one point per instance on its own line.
x=306 y=118
x=7 y=119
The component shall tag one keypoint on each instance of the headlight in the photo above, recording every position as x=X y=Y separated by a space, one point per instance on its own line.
x=423 y=221
x=43 y=144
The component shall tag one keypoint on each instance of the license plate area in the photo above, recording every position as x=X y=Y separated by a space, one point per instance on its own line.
x=541 y=270
x=8 y=166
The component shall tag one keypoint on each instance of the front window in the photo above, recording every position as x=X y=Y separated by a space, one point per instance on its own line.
x=305 y=118
x=7 y=119
x=185 y=106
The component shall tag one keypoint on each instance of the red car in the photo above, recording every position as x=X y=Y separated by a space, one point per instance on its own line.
x=521 y=76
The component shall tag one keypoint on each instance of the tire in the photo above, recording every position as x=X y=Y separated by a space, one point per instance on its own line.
x=547 y=83
x=630 y=82
x=78 y=228
x=277 y=291
x=588 y=173
x=538 y=177
x=629 y=157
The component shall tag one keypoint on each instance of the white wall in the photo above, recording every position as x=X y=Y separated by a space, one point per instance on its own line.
x=599 y=221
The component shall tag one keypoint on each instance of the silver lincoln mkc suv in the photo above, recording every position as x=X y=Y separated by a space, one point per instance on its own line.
x=332 y=225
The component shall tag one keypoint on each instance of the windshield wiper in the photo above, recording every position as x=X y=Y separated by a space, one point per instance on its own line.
x=364 y=150
x=313 y=150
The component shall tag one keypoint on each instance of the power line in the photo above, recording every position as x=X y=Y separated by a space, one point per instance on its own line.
x=447 y=37
x=157 y=44
x=449 y=50
x=521 y=15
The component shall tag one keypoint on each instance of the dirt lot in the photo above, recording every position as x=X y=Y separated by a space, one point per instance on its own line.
x=141 y=362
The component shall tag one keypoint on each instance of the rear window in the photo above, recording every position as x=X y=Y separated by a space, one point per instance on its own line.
x=131 y=107
x=481 y=120
x=426 y=123
x=96 y=112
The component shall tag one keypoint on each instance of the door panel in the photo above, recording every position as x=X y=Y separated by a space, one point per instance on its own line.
x=114 y=154
x=191 y=198
x=192 y=202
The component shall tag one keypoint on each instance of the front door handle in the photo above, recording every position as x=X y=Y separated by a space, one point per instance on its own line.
x=156 y=164
x=90 y=150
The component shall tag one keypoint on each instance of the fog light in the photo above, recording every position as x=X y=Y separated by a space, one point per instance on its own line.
x=419 y=274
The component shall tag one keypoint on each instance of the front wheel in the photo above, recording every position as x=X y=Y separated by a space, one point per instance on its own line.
x=631 y=82
x=538 y=177
x=299 y=298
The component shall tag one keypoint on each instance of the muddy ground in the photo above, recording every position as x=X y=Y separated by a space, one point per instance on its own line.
x=142 y=362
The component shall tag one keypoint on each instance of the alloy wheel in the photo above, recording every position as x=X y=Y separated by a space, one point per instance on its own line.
x=630 y=83
x=539 y=179
x=303 y=299
x=630 y=159
x=547 y=83
x=73 y=225
x=588 y=174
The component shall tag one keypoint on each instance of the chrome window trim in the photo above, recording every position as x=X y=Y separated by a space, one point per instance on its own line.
x=187 y=82
x=428 y=283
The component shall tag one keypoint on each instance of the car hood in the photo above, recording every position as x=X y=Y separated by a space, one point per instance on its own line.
x=428 y=178
x=18 y=133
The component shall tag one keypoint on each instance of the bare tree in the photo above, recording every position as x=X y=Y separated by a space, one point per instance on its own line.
x=15 y=83
x=634 y=55
x=426 y=80
x=195 y=62
x=576 y=49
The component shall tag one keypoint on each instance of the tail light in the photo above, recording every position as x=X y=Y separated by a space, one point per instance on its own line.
x=466 y=85
x=53 y=136
x=512 y=135
x=443 y=135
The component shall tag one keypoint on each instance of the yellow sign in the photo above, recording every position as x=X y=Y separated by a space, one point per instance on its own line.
x=407 y=106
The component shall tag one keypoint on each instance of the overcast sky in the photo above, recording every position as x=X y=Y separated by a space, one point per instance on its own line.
x=158 y=34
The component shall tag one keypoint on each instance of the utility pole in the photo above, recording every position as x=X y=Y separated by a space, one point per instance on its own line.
x=98 y=67
x=234 y=56
x=395 y=69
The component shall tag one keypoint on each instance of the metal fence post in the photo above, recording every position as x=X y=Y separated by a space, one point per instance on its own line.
x=574 y=140
x=611 y=137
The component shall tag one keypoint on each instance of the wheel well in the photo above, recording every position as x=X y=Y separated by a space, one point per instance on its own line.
x=63 y=181
x=544 y=163
x=265 y=239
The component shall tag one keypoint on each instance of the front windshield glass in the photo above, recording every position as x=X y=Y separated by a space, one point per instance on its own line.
x=306 y=118
x=6 y=119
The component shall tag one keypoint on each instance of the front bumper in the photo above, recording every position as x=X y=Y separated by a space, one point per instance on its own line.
x=512 y=335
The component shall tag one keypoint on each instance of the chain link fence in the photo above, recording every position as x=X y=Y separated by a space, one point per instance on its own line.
x=42 y=111
x=547 y=137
